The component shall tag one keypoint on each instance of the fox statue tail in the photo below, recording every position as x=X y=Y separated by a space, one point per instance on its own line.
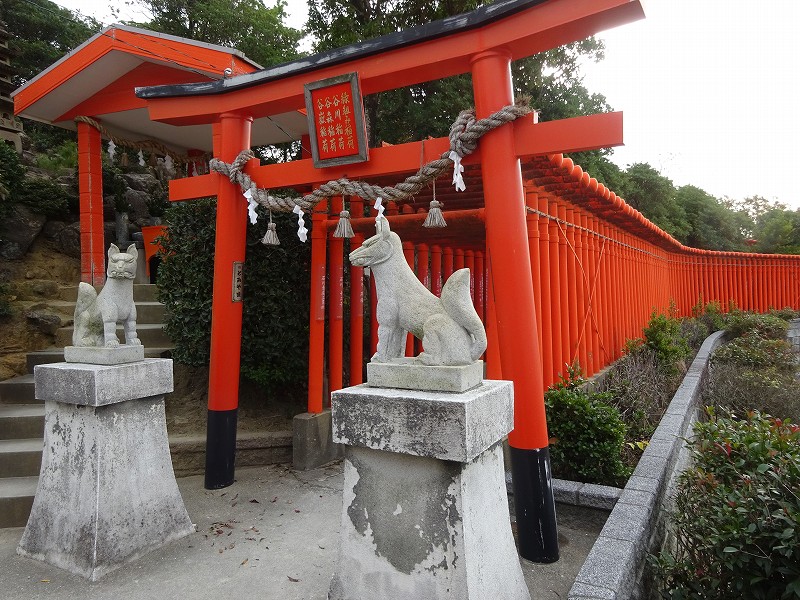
x=86 y=297
x=457 y=301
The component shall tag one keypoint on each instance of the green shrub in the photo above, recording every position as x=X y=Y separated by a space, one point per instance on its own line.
x=60 y=158
x=786 y=313
x=694 y=331
x=663 y=336
x=767 y=325
x=587 y=436
x=754 y=372
x=12 y=173
x=640 y=389
x=737 y=515
x=710 y=315
x=276 y=292
x=46 y=197
x=753 y=349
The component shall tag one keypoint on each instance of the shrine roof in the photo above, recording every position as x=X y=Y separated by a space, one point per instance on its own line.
x=448 y=26
x=98 y=78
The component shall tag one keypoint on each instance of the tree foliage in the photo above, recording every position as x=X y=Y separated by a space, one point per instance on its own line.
x=250 y=26
x=551 y=80
x=41 y=33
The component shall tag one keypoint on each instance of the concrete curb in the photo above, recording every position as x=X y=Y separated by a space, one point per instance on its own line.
x=637 y=523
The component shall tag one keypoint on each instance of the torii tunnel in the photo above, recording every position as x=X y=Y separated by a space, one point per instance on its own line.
x=562 y=268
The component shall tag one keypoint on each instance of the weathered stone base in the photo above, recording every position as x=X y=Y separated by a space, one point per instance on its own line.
x=103 y=356
x=312 y=443
x=107 y=493
x=410 y=374
x=416 y=528
x=425 y=510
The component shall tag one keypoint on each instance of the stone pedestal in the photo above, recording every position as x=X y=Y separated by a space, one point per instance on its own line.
x=425 y=511
x=107 y=492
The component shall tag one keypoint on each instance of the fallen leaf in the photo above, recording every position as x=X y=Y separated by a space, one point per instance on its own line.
x=254 y=501
x=244 y=562
x=297 y=510
x=292 y=579
x=275 y=499
x=48 y=581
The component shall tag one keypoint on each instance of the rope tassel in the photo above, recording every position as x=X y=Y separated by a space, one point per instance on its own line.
x=271 y=237
x=435 y=217
x=343 y=227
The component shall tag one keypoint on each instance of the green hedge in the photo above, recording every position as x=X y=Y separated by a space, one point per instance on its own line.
x=276 y=292
x=737 y=517
x=586 y=436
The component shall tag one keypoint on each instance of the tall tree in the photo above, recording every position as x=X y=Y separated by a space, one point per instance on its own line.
x=711 y=224
x=250 y=26
x=41 y=33
x=652 y=194
x=551 y=80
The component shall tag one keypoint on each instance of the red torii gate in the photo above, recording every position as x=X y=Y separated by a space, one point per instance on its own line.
x=483 y=43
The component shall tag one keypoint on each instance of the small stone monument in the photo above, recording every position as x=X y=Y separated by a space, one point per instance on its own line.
x=107 y=492
x=425 y=512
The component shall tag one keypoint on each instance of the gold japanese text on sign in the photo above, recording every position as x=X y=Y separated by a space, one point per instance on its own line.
x=336 y=121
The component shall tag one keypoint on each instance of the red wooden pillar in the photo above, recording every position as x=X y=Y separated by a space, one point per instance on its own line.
x=566 y=301
x=469 y=263
x=519 y=341
x=436 y=270
x=556 y=303
x=567 y=214
x=316 y=327
x=458 y=259
x=592 y=342
x=226 y=310
x=480 y=286
x=447 y=264
x=423 y=274
x=494 y=368
x=90 y=186
x=532 y=219
x=408 y=252
x=356 y=303
x=580 y=292
x=593 y=316
x=335 y=300
x=548 y=368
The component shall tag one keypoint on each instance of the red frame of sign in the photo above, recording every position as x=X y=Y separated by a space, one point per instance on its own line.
x=336 y=121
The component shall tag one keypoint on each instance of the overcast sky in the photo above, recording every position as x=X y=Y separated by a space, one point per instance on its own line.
x=708 y=89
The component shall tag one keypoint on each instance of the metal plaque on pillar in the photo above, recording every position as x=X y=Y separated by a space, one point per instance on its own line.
x=336 y=121
x=237 y=287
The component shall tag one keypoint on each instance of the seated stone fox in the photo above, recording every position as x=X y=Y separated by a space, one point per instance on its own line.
x=97 y=315
x=450 y=329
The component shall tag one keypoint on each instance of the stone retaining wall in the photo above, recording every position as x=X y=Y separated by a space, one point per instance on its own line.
x=637 y=523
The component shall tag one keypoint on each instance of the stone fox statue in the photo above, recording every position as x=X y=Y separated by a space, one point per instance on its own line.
x=97 y=315
x=450 y=329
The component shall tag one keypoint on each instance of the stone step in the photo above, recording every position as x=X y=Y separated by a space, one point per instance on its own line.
x=20 y=421
x=56 y=355
x=149 y=334
x=146 y=311
x=17 y=390
x=188 y=458
x=142 y=292
x=20 y=458
x=16 y=499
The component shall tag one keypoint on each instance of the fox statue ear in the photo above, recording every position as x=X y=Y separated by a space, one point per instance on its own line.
x=112 y=250
x=133 y=251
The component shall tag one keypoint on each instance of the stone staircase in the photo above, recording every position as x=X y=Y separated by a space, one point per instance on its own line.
x=22 y=416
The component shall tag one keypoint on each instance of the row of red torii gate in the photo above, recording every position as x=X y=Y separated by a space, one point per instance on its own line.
x=563 y=270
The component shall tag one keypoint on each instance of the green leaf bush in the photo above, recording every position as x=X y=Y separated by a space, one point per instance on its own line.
x=767 y=325
x=586 y=436
x=737 y=515
x=276 y=290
